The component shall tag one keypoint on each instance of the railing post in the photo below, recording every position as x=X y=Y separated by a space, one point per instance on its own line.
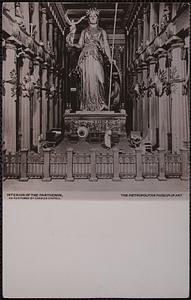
x=24 y=154
x=46 y=165
x=116 y=165
x=161 y=176
x=184 y=157
x=93 y=176
x=139 y=164
x=69 y=172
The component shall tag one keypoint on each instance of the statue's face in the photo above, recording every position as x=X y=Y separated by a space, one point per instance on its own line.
x=93 y=19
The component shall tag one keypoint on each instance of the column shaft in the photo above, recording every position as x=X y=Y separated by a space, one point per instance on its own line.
x=36 y=104
x=152 y=106
x=35 y=21
x=25 y=105
x=51 y=98
x=9 y=107
x=179 y=111
x=44 y=25
x=25 y=9
x=145 y=103
x=44 y=100
x=162 y=108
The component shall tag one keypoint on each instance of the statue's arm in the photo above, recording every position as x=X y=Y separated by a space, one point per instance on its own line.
x=80 y=20
x=80 y=42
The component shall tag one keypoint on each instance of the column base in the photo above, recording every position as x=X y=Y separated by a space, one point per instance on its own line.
x=70 y=179
x=47 y=179
x=139 y=178
x=184 y=178
x=162 y=178
x=93 y=179
x=23 y=179
x=116 y=179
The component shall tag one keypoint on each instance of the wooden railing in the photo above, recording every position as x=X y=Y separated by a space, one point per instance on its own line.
x=93 y=165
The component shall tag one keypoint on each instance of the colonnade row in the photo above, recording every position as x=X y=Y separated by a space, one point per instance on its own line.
x=158 y=74
x=33 y=73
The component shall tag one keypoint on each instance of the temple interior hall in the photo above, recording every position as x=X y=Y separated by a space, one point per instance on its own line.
x=150 y=46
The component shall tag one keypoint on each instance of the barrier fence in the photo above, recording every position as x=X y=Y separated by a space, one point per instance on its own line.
x=93 y=165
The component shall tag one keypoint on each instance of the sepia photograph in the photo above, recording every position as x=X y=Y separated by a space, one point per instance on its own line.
x=95 y=107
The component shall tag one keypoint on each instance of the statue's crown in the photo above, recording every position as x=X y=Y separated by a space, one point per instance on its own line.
x=92 y=10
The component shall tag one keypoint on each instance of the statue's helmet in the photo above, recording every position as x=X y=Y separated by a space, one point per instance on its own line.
x=92 y=10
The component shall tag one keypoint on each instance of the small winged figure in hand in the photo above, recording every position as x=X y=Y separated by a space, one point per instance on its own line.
x=72 y=24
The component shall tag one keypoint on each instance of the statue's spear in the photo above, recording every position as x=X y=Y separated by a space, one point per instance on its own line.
x=112 y=53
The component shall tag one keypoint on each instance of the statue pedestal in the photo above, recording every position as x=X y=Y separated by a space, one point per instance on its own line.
x=95 y=122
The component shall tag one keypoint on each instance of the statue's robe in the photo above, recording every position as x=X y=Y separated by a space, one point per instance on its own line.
x=90 y=63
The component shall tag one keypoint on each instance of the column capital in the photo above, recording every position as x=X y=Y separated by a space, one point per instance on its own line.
x=144 y=65
x=44 y=65
x=139 y=21
x=43 y=10
x=134 y=29
x=160 y=52
x=177 y=44
x=38 y=59
x=152 y=60
x=10 y=45
x=174 y=41
x=12 y=41
x=50 y=21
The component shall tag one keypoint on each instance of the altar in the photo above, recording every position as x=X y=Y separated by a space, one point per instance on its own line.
x=84 y=123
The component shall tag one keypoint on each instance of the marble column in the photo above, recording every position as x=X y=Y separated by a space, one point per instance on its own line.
x=145 y=25
x=134 y=103
x=60 y=103
x=44 y=99
x=134 y=41
x=140 y=102
x=55 y=37
x=50 y=32
x=9 y=105
x=56 y=101
x=139 y=29
x=51 y=97
x=130 y=47
x=44 y=26
x=179 y=105
x=153 y=19
x=35 y=21
x=152 y=104
x=186 y=92
x=36 y=102
x=25 y=104
x=25 y=10
x=161 y=12
x=145 y=102
x=162 y=107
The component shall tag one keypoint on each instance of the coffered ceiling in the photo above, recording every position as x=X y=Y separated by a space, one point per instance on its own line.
x=77 y=9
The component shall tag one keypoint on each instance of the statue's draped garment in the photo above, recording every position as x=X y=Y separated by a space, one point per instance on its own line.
x=90 y=63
